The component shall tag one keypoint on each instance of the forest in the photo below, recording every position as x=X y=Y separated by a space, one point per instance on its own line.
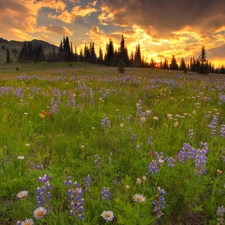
x=112 y=57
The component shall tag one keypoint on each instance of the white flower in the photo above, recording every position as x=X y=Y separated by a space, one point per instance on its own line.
x=138 y=181
x=21 y=157
x=27 y=222
x=107 y=215
x=139 y=198
x=121 y=125
x=161 y=161
x=155 y=118
x=27 y=145
x=40 y=212
x=22 y=194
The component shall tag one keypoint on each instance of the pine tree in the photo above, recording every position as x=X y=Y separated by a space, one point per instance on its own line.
x=165 y=65
x=100 y=57
x=203 y=68
x=110 y=55
x=173 y=64
x=183 y=65
x=8 y=60
x=123 y=53
x=137 y=56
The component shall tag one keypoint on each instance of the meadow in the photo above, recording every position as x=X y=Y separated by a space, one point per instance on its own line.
x=84 y=144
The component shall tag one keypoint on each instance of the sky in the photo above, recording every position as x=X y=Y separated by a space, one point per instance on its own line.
x=162 y=27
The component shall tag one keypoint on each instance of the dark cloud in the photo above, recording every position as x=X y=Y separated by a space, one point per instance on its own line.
x=165 y=16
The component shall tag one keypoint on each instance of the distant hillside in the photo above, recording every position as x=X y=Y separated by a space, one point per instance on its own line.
x=15 y=47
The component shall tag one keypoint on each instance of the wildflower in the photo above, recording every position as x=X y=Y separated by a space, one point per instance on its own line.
x=87 y=181
x=153 y=167
x=82 y=146
x=143 y=119
x=27 y=145
x=139 y=198
x=107 y=215
x=159 y=203
x=175 y=124
x=27 y=222
x=161 y=161
x=155 y=118
x=144 y=178
x=219 y=171
x=220 y=213
x=44 y=196
x=21 y=157
x=25 y=113
x=121 y=125
x=22 y=194
x=40 y=212
x=148 y=112
x=127 y=187
x=105 y=194
x=138 y=181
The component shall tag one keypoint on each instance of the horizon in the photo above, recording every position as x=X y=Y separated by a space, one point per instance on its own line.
x=161 y=28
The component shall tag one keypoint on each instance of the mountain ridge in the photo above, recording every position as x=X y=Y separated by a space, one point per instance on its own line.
x=15 y=46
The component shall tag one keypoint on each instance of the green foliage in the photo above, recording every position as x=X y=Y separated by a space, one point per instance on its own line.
x=109 y=127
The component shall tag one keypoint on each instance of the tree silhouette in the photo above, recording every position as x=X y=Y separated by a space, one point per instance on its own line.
x=173 y=64
x=8 y=60
x=203 y=68
x=110 y=55
x=137 y=56
x=123 y=53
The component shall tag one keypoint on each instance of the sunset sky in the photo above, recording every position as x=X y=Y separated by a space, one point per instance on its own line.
x=162 y=27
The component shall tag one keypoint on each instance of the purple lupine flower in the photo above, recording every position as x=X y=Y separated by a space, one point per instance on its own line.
x=171 y=162
x=222 y=130
x=133 y=137
x=87 y=181
x=105 y=194
x=105 y=122
x=97 y=161
x=75 y=201
x=149 y=141
x=213 y=124
x=220 y=215
x=153 y=167
x=159 y=203
x=200 y=161
x=43 y=194
x=223 y=157
x=91 y=97
x=191 y=134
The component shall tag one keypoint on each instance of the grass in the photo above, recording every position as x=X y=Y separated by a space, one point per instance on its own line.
x=80 y=129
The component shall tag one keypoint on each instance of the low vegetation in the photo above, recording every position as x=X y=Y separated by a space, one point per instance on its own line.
x=84 y=144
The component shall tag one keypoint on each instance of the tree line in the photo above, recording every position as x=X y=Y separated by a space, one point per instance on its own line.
x=112 y=57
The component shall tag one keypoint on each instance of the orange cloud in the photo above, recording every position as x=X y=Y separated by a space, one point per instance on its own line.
x=77 y=11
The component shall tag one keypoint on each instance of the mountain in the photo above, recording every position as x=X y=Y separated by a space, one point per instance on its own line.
x=15 y=47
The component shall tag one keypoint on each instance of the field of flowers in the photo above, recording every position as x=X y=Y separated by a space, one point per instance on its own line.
x=91 y=146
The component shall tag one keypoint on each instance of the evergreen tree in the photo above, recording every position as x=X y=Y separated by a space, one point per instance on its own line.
x=123 y=53
x=110 y=55
x=93 y=57
x=8 y=60
x=222 y=70
x=203 y=68
x=137 y=56
x=165 y=65
x=152 y=64
x=131 y=59
x=100 y=58
x=183 y=65
x=81 y=55
x=173 y=64
x=76 y=57
x=60 y=53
